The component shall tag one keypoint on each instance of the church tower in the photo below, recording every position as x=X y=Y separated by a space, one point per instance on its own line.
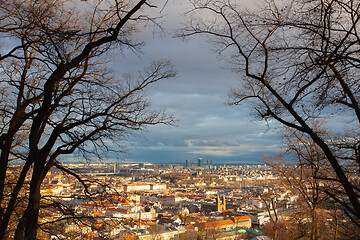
x=220 y=204
x=223 y=203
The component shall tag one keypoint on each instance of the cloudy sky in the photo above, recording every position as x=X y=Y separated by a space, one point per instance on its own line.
x=207 y=127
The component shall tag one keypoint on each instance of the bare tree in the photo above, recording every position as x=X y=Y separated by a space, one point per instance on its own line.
x=57 y=96
x=303 y=167
x=298 y=60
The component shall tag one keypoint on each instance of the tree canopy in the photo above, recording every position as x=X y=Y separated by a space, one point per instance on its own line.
x=297 y=61
x=58 y=95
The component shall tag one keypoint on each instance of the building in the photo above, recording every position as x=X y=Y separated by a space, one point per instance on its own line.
x=242 y=221
x=116 y=167
x=136 y=187
x=200 y=162
x=259 y=217
x=221 y=224
x=172 y=200
x=187 y=163
x=221 y=205
x=148 y=187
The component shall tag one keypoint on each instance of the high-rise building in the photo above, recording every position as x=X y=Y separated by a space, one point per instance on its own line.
x=116 y=167
x=187 y=163
x=200 y=162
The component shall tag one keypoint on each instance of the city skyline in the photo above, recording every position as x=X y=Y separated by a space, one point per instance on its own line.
x=184 y=120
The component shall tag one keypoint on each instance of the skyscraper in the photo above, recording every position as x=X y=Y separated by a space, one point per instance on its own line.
x=187 y=163
x=200 y=162
x=116 y=167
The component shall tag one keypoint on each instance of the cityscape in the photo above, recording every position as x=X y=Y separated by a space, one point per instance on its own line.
x=179 y=120
x=199 y=200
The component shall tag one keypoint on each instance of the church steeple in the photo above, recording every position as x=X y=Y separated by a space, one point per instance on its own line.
x=223 y=203
x=220 y=205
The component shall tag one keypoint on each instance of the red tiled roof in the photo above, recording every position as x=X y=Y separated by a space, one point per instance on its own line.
x=190 y=227
x=221 y=223
x=241 y=218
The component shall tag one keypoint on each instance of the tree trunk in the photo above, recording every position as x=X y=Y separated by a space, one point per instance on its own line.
x=12 y=202
x=6 y=141
x=314 y=224
x=28 y=224
x=3 y=168
x=27 y=227
x=4 y=158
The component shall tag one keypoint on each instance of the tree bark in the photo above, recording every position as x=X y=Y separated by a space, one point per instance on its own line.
x=11 y=205
x=27 y=227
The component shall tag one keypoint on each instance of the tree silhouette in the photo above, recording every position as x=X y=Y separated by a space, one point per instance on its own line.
x=57 y=96
x=298 y=61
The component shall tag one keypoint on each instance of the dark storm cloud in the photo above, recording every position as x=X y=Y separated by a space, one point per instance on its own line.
x=207 y=127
